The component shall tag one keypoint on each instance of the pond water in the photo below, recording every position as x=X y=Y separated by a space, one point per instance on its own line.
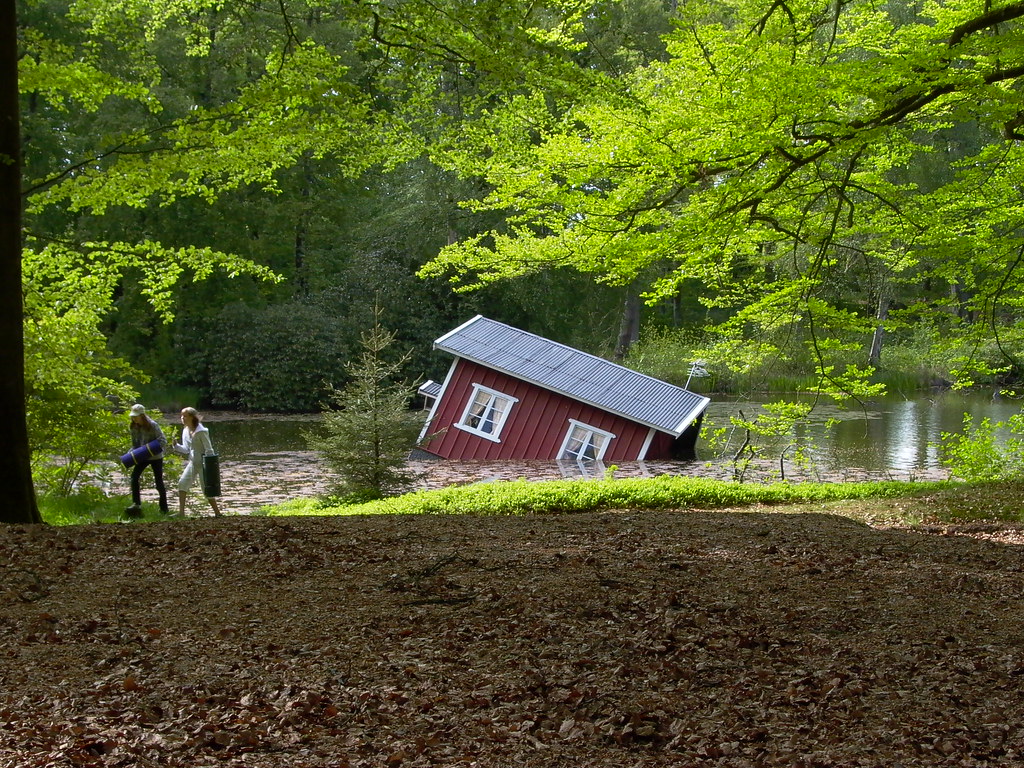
x=265 y=459
x=897 y=436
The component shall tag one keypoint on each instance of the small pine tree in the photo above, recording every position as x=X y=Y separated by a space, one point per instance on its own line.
x=368 y=431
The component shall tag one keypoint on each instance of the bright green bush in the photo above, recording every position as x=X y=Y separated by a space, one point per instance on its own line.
x=292 y=508
x=985 y=451
x=524 y=497
x=90 y=505
x=74 y=386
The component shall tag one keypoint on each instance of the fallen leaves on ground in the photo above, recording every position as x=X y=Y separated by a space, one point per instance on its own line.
x=739 y=639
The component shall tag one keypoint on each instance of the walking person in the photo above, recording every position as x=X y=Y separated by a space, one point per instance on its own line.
x=195 y=443
x=144 y=431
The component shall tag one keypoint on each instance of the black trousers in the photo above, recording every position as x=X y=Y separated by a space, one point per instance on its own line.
x=158 y=478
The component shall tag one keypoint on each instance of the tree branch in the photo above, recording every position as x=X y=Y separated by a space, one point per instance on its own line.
x=986 y=20
x=995 y=303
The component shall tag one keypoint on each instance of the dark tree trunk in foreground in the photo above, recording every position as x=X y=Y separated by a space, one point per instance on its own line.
x=17 y=496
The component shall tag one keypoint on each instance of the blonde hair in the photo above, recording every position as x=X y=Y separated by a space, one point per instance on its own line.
x=193 y=413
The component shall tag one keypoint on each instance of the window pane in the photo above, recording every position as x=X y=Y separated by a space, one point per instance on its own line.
x=575 y=443
x=594 y=446
x=478 y=409
x=487 y=412
x=487 y=422
x=584 y=444
x=589 y=452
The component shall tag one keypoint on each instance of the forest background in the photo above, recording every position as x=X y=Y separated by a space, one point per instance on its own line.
x=806 y=195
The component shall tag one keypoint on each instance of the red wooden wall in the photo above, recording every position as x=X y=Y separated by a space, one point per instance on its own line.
x=536 y=425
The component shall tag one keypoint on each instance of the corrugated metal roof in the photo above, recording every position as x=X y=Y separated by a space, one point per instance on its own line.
x=429 y=388
x=575 y=374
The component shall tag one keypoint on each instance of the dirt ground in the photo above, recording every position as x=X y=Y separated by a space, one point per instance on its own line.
x=615 y=639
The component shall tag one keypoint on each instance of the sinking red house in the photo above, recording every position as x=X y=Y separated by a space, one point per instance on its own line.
x=510 y=394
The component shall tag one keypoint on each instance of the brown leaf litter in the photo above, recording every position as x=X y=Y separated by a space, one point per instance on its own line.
x=629 y=638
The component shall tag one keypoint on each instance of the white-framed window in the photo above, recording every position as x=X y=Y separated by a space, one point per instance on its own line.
x=584 y=442
x=486 y=412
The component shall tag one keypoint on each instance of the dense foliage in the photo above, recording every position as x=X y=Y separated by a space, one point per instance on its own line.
x=815 y=175
x=71 y=380
x=986 y=451
x=160 y=138
x=798 y=173
x=804 y=194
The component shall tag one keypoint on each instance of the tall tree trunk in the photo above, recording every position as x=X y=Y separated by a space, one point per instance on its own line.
x=629 y=327
x=875 y=354
x=302 y=230
x=19 y=499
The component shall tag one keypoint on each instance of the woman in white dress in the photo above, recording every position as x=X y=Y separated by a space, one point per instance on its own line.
x=195 y=441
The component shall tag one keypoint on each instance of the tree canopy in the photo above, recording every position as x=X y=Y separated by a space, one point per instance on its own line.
x=765 y=166
x=786 y=179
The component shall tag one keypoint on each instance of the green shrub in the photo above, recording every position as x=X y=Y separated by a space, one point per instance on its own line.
x=73 y=384
x=524 y=497
x=90 y=505
x=292 y=508
x=985 y=451
x=276 y=358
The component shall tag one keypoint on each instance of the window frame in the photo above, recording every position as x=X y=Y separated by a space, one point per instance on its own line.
x=499 y=424
x=592 y=430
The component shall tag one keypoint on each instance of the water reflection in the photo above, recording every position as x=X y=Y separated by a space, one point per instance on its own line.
x=912 y=437
x=886 y=436
x=893 y=433
x=237 y=435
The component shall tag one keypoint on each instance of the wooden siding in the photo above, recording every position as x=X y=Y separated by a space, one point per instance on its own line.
x=536 y=425
x=661 y=447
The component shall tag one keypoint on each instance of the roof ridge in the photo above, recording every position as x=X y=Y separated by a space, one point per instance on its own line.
x=545 y=339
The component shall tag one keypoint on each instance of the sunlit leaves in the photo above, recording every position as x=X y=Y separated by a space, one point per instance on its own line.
x=772 y=148
x=98 y=268
x=985 y=450
x=302 y=110
x=54 y=72
x=73 y=384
